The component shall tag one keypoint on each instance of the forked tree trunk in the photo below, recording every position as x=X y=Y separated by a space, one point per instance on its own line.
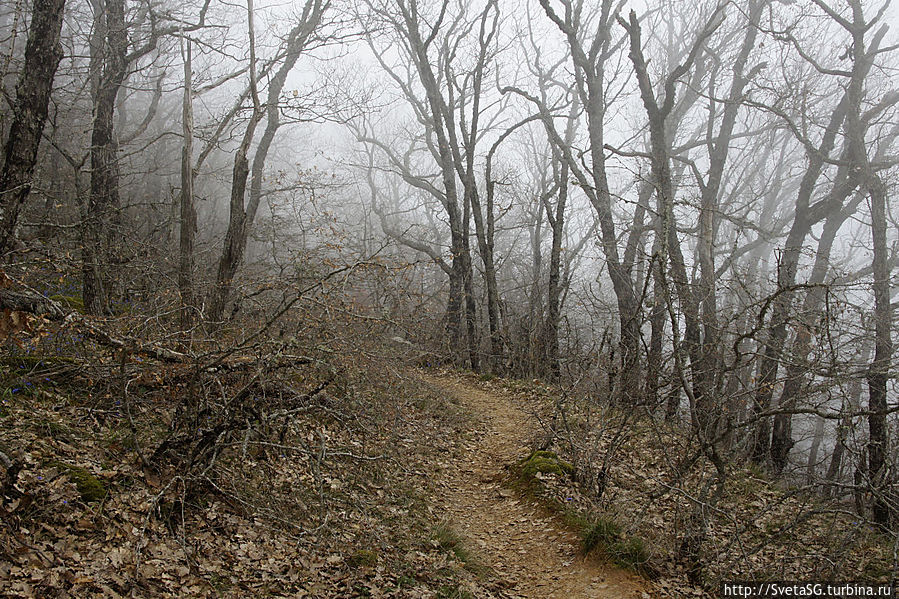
x=590 y=74
x=242 y=213
x=786 y=279
x=669 y=244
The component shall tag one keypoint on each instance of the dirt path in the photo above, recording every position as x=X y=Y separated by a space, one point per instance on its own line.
x=528 y=548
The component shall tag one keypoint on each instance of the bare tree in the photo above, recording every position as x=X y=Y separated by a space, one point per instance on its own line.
x=242 y=211
x=589 y=56
x=112 y=55
x=42 y=55
x=188 y=223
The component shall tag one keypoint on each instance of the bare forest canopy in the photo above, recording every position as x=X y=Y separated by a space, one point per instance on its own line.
x=684 y=211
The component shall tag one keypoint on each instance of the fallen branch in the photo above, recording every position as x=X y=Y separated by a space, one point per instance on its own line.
x=31 y=302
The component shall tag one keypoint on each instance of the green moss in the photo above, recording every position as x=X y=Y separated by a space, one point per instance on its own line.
x=545 y=462
x=88 y=485
x=486 y=377
x=72 y=302
x=363 y=558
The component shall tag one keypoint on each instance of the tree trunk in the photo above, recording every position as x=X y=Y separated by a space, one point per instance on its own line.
x=29 y=113
x=556 y=220
x=718 y=148
x=781 y=435
x=241 y=217
x=554 y=290
x=471 y=322
x=188 y=219
x=786 y=279
x=883 y=498
x=879 y=370
x=485 y=235
x=851 y=403
x=669 y=246
x=657 y=318
x=589 y=72
x=109 y=67
x=811 y=467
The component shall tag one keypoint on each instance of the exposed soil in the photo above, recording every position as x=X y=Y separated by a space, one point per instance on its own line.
x=528 y=548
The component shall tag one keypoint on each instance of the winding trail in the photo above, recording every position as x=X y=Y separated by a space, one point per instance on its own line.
x=531 y=551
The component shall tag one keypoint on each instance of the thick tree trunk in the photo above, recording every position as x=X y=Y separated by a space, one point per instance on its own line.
x=42 y=55
x=657 y=318
x=454 y=302
x=471 y=321
x=235 y=236
x=554 y=290
x=485 y=238
x=882 y=507
x=109 y=67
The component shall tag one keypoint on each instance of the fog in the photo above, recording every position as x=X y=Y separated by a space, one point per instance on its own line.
x=681 y=208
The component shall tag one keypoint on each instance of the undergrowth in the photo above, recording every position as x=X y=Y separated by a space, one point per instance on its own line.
x=628 y=468
x=255 y=476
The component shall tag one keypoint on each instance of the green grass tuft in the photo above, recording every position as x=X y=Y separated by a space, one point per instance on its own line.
x=631 y=553
x=602 y=532
x=451 y=542
x=453 y=591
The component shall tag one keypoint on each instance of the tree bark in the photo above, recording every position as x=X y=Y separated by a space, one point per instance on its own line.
x=109 y=66
x=882 y=508
x=589 y=74
x=29 y=113
x=188 y=221
x=786 y=279
x=669 y=248
x=718 y=150
x=241 y=215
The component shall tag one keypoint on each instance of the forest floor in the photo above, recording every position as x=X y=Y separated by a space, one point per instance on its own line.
x=525 y=546
x=384 y=486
